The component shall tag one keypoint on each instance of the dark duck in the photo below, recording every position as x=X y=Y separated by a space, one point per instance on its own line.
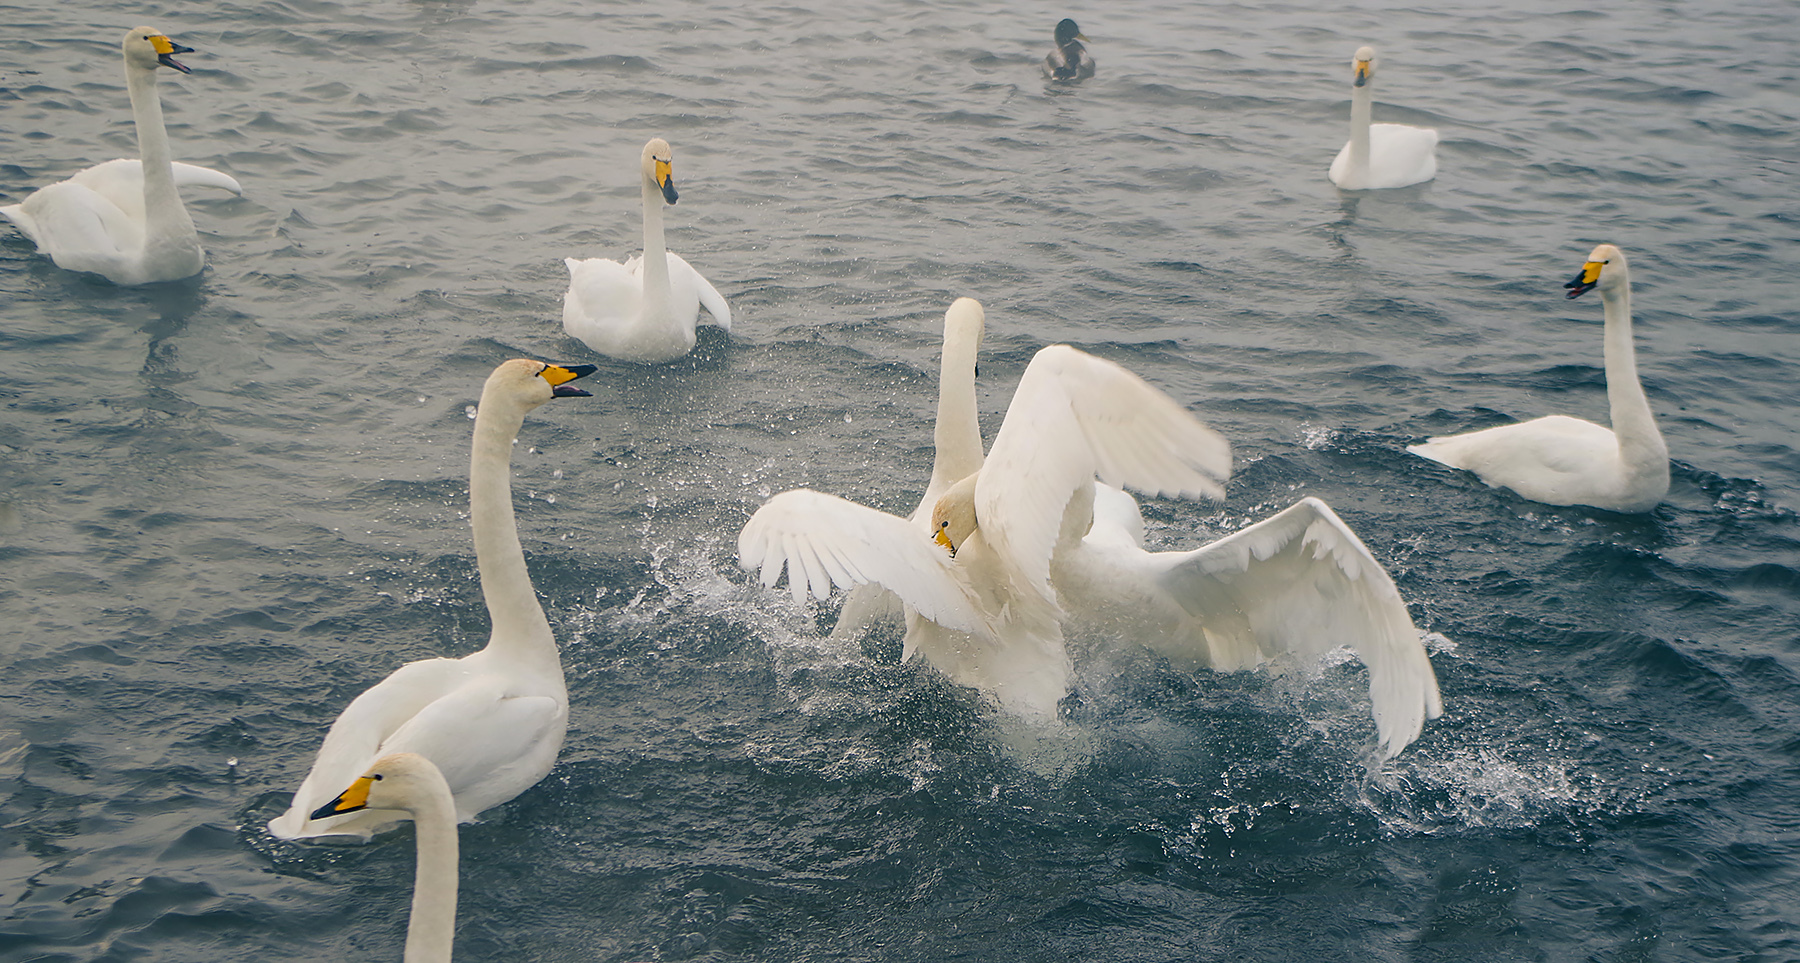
x=1070 y=61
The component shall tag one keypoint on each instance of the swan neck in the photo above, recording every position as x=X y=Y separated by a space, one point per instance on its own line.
x=957 y=435
x=431 y=931
x=1632 y=421
x=656 y=257
x=153 y=145
x=518 y=620
x=1362 y=108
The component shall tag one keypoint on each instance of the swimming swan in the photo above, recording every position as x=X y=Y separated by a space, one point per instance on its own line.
x=1560 y=460
x=1299 y=582
x=985 y=613
x=645 y=309
x=408 y=783
x=1070 y=60
x=124 y=219
x=491 y=721
x=1380 y=155
x=957 y=451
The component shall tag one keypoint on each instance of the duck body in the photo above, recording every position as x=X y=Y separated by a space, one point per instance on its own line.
x=124 y=219
x=646 y=309
x=1380 y=156
x=1069 y=61
x=1559 y=460
x=493 y=721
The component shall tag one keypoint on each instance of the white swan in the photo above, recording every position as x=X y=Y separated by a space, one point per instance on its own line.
x=1560 y=460
x=645 y=309
x=957 y=452
x=124 y=219
x=1070 y=60
x=491 y=721
x=988 y=617
x=1300 y=582
x=1380 y=155
x=409 y=783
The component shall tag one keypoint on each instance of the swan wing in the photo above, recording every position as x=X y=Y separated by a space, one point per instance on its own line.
x=488 y=742
x=824 y=540
x=866 y=605
x=694 y=286
x=1301 y=582
x=193 y=175
x=356 y=737
x=79 y=228
x=1075 y=417
x=122 y=181
x=602 y=295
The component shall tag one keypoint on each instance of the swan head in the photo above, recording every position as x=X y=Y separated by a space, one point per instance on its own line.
x=953 y=516
x=658 y=163
x=1604 y=269
x=1067 y=33
x=396 y=781
x=531 y=383
x=1363 y=63
x=146 y=48
x=965 y=325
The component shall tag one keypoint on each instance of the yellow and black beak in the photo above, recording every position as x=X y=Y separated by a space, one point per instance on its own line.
x=943 y=538
x=1362 y=74
x=348 y=801
x=166 y=50
x=1586 y=280
x=559 y=376
x=665 y=179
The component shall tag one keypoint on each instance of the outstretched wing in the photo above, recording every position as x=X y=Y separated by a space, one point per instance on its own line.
x=1075 y=417
x=824 y=540
x=1301 y=582
x=681 y=273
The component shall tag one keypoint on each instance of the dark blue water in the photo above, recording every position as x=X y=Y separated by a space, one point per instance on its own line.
x=229 y=505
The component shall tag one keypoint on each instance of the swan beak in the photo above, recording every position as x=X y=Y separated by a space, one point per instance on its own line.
x=1362 y=73
x=348 y=801
x=166 y=50
x=665 y=179
x=1586 y=280
x=943 y=538
x=559 y=376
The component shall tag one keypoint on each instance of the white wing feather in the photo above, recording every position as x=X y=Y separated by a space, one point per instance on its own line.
x=1075 y=417
x=822 y=540
x=1301 y=582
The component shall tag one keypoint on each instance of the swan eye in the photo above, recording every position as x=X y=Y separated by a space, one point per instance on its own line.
x=376 y=777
